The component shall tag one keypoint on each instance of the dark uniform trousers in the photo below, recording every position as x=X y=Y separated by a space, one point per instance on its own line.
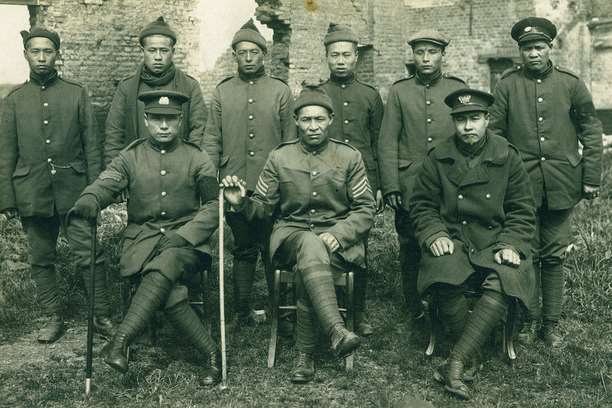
x=42 y=234
x=409 y=258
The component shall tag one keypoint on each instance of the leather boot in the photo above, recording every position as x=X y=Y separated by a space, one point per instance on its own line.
x=52 y=331
x=454 y=380
x=343 y=341
x=549 y=333
x=104 y=326
x=212 y=375
x=364 y=328
x=304 y=369
x=115 y=352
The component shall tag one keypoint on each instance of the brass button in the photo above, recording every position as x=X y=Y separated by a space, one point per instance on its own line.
x=314 y=173
x=346 y=121
x=53 y=171
x=539 y=81
x=43 y=87
x=251 y=82
x=162 y=230
x=251 y=153
x=430 y=139
x=464 y=222
x=460 y=196
x=49 y=160
x=163 y=213
x=163 y=172
x=543 y=158
x=540 y=99
x=314 y=193
x=312 y=211
x=343 y=86
x=490 y=227
x=162 y=151
x=428 y=102
x=346 y=140
x=488 y=196
x=428 y=120
x=542 y=139
x=251 y=100
x=251 y=117
x=163 y=194
x=345 y=103
x=251 y=135
x=540 y=119
x=47 y=141
x=46 y=122
x=46 y=104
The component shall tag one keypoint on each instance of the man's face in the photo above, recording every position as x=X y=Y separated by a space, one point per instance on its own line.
x=342 y=58
x=249 y=57
x=41 y=54
x=535 y=55
x=427 y=57
x=313 y=123
x=158 y=51
x=471 y=126
x=163 y=128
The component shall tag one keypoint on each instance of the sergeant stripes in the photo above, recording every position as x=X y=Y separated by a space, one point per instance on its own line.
x=361 y=187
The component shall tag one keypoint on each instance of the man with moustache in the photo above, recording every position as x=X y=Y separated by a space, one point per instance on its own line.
x=358 y=112
x=125 y=122
x=415 y=120
x=317 y=190
x=546 y=111
x=172 y=213
x=474 y=216
x=49 y=152
x=250 y=114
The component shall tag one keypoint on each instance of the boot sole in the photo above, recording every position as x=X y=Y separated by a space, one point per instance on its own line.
x=346 y=348
x=116 y=366
x=457 y=392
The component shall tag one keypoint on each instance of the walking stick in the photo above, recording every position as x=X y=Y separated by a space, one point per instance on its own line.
x=222 y=292
x=90 y=317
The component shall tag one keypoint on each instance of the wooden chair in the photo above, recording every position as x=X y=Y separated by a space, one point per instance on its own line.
x=508 y=327
x=285 y=282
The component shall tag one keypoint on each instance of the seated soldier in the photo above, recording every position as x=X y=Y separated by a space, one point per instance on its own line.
x=317 y=189
x=168 y=230
x=474 y=217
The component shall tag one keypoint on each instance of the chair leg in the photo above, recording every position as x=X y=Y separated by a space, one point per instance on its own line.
x=433 y=329
x=274 y=320
x=207 y=306
x=509 y=329
x=350 y=313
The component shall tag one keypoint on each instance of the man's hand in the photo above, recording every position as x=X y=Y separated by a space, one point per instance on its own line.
x=331 y=241
x=172 y=240
x=234 y=190
x=380 y=202
x=507 y=256
x=590 y=192
x=394 y=200
x=86 y=207
x=442 y=246
x=10 y=213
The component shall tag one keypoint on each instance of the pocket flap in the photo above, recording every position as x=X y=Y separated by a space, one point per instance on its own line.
x=574 y=159
x=21 y=171
x=78 y=166
x=224 y=160
x=132 y=231
x=404 y=164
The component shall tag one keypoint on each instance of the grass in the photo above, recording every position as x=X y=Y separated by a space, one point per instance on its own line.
x=391 y=369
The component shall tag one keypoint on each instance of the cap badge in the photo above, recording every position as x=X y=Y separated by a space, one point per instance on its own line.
x=528 y=29
x=465 y=99
x=164 y=100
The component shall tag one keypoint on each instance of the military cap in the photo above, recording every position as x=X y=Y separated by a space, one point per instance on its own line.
x=249 y=32
x=157 y=27
x=163 y=102
x=38 y=31
x=467 y=100
x=533 y=29
x=338 y=32
x=312 y=95
x=430 y=36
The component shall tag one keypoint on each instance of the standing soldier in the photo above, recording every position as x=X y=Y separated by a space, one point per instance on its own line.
x=125 y=122
x=545 y=110
x=318 y=190
x=358 y=114
x=172 y=213
x=250 y=114
x=415 y=120
x=49 y=152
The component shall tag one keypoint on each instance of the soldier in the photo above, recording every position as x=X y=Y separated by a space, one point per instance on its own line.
x=319 y=191
x=250 y=114
x=474 y=215
x=124 y=122
x=168 y=231
x=358 y=115
x=49 y=152
x=545 y=110
x=415 y=120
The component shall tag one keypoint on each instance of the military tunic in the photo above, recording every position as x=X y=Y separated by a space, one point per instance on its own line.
x=49 y=148
x=482 y=208
x=125 y=120
x=248 y=118
x=545 y=117
x=416 y=118
x=325 y=190
x=358 y=111
x=166 y=187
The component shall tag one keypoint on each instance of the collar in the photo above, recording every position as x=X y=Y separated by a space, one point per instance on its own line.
x=539 y=75
x=494 y=150
x=349 y=79
x=44 y=80
x=254 y=76
x=163 y=146
x=314 y=150
x=428 y=79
